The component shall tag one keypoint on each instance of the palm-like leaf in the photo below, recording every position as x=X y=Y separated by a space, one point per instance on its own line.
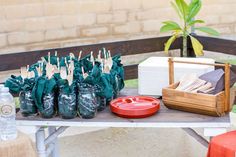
x=183 y=8
x=169 y=42
x=173 y=23
x=208 y=30
x=170 y=26
x=197 y=46
x=194 y=8
x=177 y=10
x=191 y=23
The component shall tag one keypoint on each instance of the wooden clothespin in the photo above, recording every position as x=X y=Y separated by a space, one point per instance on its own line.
x=58 y=63
x=56 y=68
x=63 y=72
x=30 y=74
x=70 y=73
x=39 y=70
x=43 y=60
x=109 y=53
x=99 y=58
x=23 y=72
x=49 y=71
x=104 y=53
x=92 y=58
x=80 y=53
x=72 y=56
x=85 y=75
x=109 y=60
x=106 y=69
x=41 y=65
x=66 y=63
x=49 y=59
x=27 y=69
x=72 y=66
x=49 y=68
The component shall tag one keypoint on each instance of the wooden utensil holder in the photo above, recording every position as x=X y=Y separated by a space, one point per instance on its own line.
x=208 y=104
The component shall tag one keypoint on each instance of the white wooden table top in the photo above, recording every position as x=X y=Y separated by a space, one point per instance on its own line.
x=164 y=118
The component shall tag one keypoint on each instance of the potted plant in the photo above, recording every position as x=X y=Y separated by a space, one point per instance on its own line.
x=233 y=116
x=187 y=14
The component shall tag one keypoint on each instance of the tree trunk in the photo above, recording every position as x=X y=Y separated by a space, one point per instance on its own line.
x=185 y=51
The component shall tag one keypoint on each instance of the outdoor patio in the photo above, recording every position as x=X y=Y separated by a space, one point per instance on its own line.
x=32 y=31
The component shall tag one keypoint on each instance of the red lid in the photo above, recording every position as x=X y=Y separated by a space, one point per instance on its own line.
x=135 y=106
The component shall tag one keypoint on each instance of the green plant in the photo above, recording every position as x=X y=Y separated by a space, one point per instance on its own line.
x=234 y=108
x=186 y=13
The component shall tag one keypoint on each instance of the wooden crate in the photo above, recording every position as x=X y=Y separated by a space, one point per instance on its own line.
x=208 y=104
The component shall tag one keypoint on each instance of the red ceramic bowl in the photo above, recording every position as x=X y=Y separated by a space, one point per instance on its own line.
x=135 y=106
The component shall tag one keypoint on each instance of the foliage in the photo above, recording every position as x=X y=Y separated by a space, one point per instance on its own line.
x=234 y=108
x=131 y=83
x=187 y=14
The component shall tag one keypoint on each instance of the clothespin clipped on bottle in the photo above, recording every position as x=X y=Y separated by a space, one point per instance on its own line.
x=23 y=72
x=109 y=60
x=104 y=53
x=30 y=74
x=49 y=71
x=49 y=58
x=99 y=58
x=70 y=78
x=66 y=63
x=70 y=73
x=41 y=66
x=104 y=59
x=49 y=68
x=43 y=60
x=39 y=69
x=71 y=65
x=85 y=75
x=106 y=69
x=63 y=72
x=102 y=68
x=58 y=63
x=72 y=56
x=92 y=58
x=80 y=54
x=56 y=67
x=27 y=68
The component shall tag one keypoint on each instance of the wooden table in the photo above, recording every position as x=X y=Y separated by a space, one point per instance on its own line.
x=165 y=118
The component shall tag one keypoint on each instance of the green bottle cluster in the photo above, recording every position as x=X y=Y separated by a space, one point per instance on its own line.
x=68 y=86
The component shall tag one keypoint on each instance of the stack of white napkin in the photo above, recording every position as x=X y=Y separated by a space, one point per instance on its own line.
x=191 y=83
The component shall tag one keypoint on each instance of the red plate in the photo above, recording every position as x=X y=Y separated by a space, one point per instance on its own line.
x=135 y=106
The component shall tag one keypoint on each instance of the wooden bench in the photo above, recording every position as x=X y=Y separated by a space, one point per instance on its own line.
x=165 y=118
